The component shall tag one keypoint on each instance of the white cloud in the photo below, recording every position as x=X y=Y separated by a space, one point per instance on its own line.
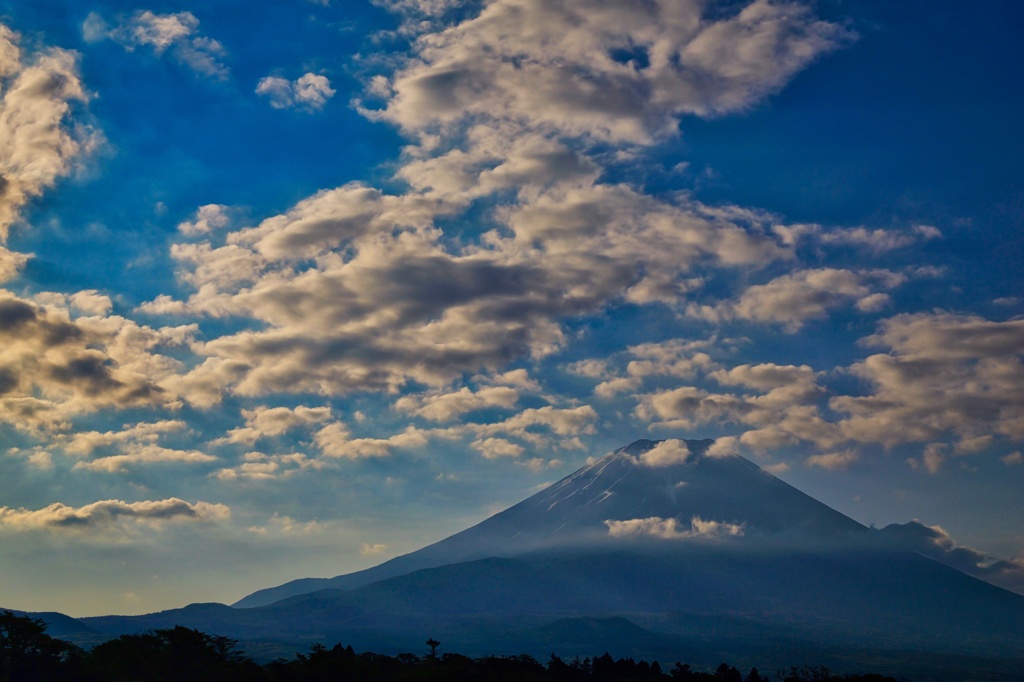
x=391 y=299
x=943 y=374
x=257 y=466
x=875 y=240
x=493 y=448
x=61 y=517
x=175 y=34
x=208 y=218
x=266 y=422
x=970 y=446
x=11 y=263
x=309 y=92
x=833 y=460
x=53 y=367
x=334 y=440
x=515 y=378
x=161 y=30
x=94 y=28
x=448 y=406
x=565 y=422
x=794 y=298
x=84 y=443
x=783 y=412
x=666 y=453
x=671 y=529
x=37 y=144
x=561 y=66
x=144 y=454
x=91 y=302
x=724 y=446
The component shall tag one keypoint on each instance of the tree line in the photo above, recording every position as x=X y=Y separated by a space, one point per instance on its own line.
x=180 y=654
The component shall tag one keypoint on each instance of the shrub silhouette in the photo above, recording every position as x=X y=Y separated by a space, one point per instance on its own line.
x=180 y=654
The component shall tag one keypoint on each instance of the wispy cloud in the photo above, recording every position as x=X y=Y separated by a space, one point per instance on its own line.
x=309 y=92
x=176 y=34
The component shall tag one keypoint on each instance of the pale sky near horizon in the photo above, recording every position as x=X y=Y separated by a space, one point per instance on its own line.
x=289 y=288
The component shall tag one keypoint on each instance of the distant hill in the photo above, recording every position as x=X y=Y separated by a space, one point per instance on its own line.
x=59 y=625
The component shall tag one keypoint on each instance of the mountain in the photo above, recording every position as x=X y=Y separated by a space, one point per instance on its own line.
x=658 y=550
x=617 y=487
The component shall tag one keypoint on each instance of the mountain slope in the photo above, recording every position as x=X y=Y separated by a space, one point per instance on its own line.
x=619 y=487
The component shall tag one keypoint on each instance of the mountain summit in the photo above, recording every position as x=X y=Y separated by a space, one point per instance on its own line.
x=666 y=489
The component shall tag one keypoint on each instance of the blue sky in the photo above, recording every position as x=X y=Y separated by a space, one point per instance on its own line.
x=287 y=289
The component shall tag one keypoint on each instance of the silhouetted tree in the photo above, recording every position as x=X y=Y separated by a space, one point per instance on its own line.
x=177 y=654
x=28 y=654
x=727 y=673
x=433 y=644
x=681 y=671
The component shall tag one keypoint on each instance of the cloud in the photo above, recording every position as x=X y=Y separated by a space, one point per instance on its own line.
x=724 y=446
x=794 y=298
x=61 y=517
x=783 y=410
x=309 y=92
x=354 y=289
x=493 y=448
x=91 y=302
x=448 y=406
x=11 y=263
x=670 y=528
x=84 y=443
x=208 y=218
x=943 y=374
x=666 y=453
x=388 y=302
x=565 y=422
x=874 y=240
x=144 y=454
x=515 y=378
x=175 y=34
x=53 y=367
x=334 y=440
x=833 y=460
x=258 y=466
x=947 y=381
x=37 y=144
x=602 y=69
x=266 y=422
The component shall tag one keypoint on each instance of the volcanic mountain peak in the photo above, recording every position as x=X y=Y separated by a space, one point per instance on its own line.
x=673 y=536
x=668 y=489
